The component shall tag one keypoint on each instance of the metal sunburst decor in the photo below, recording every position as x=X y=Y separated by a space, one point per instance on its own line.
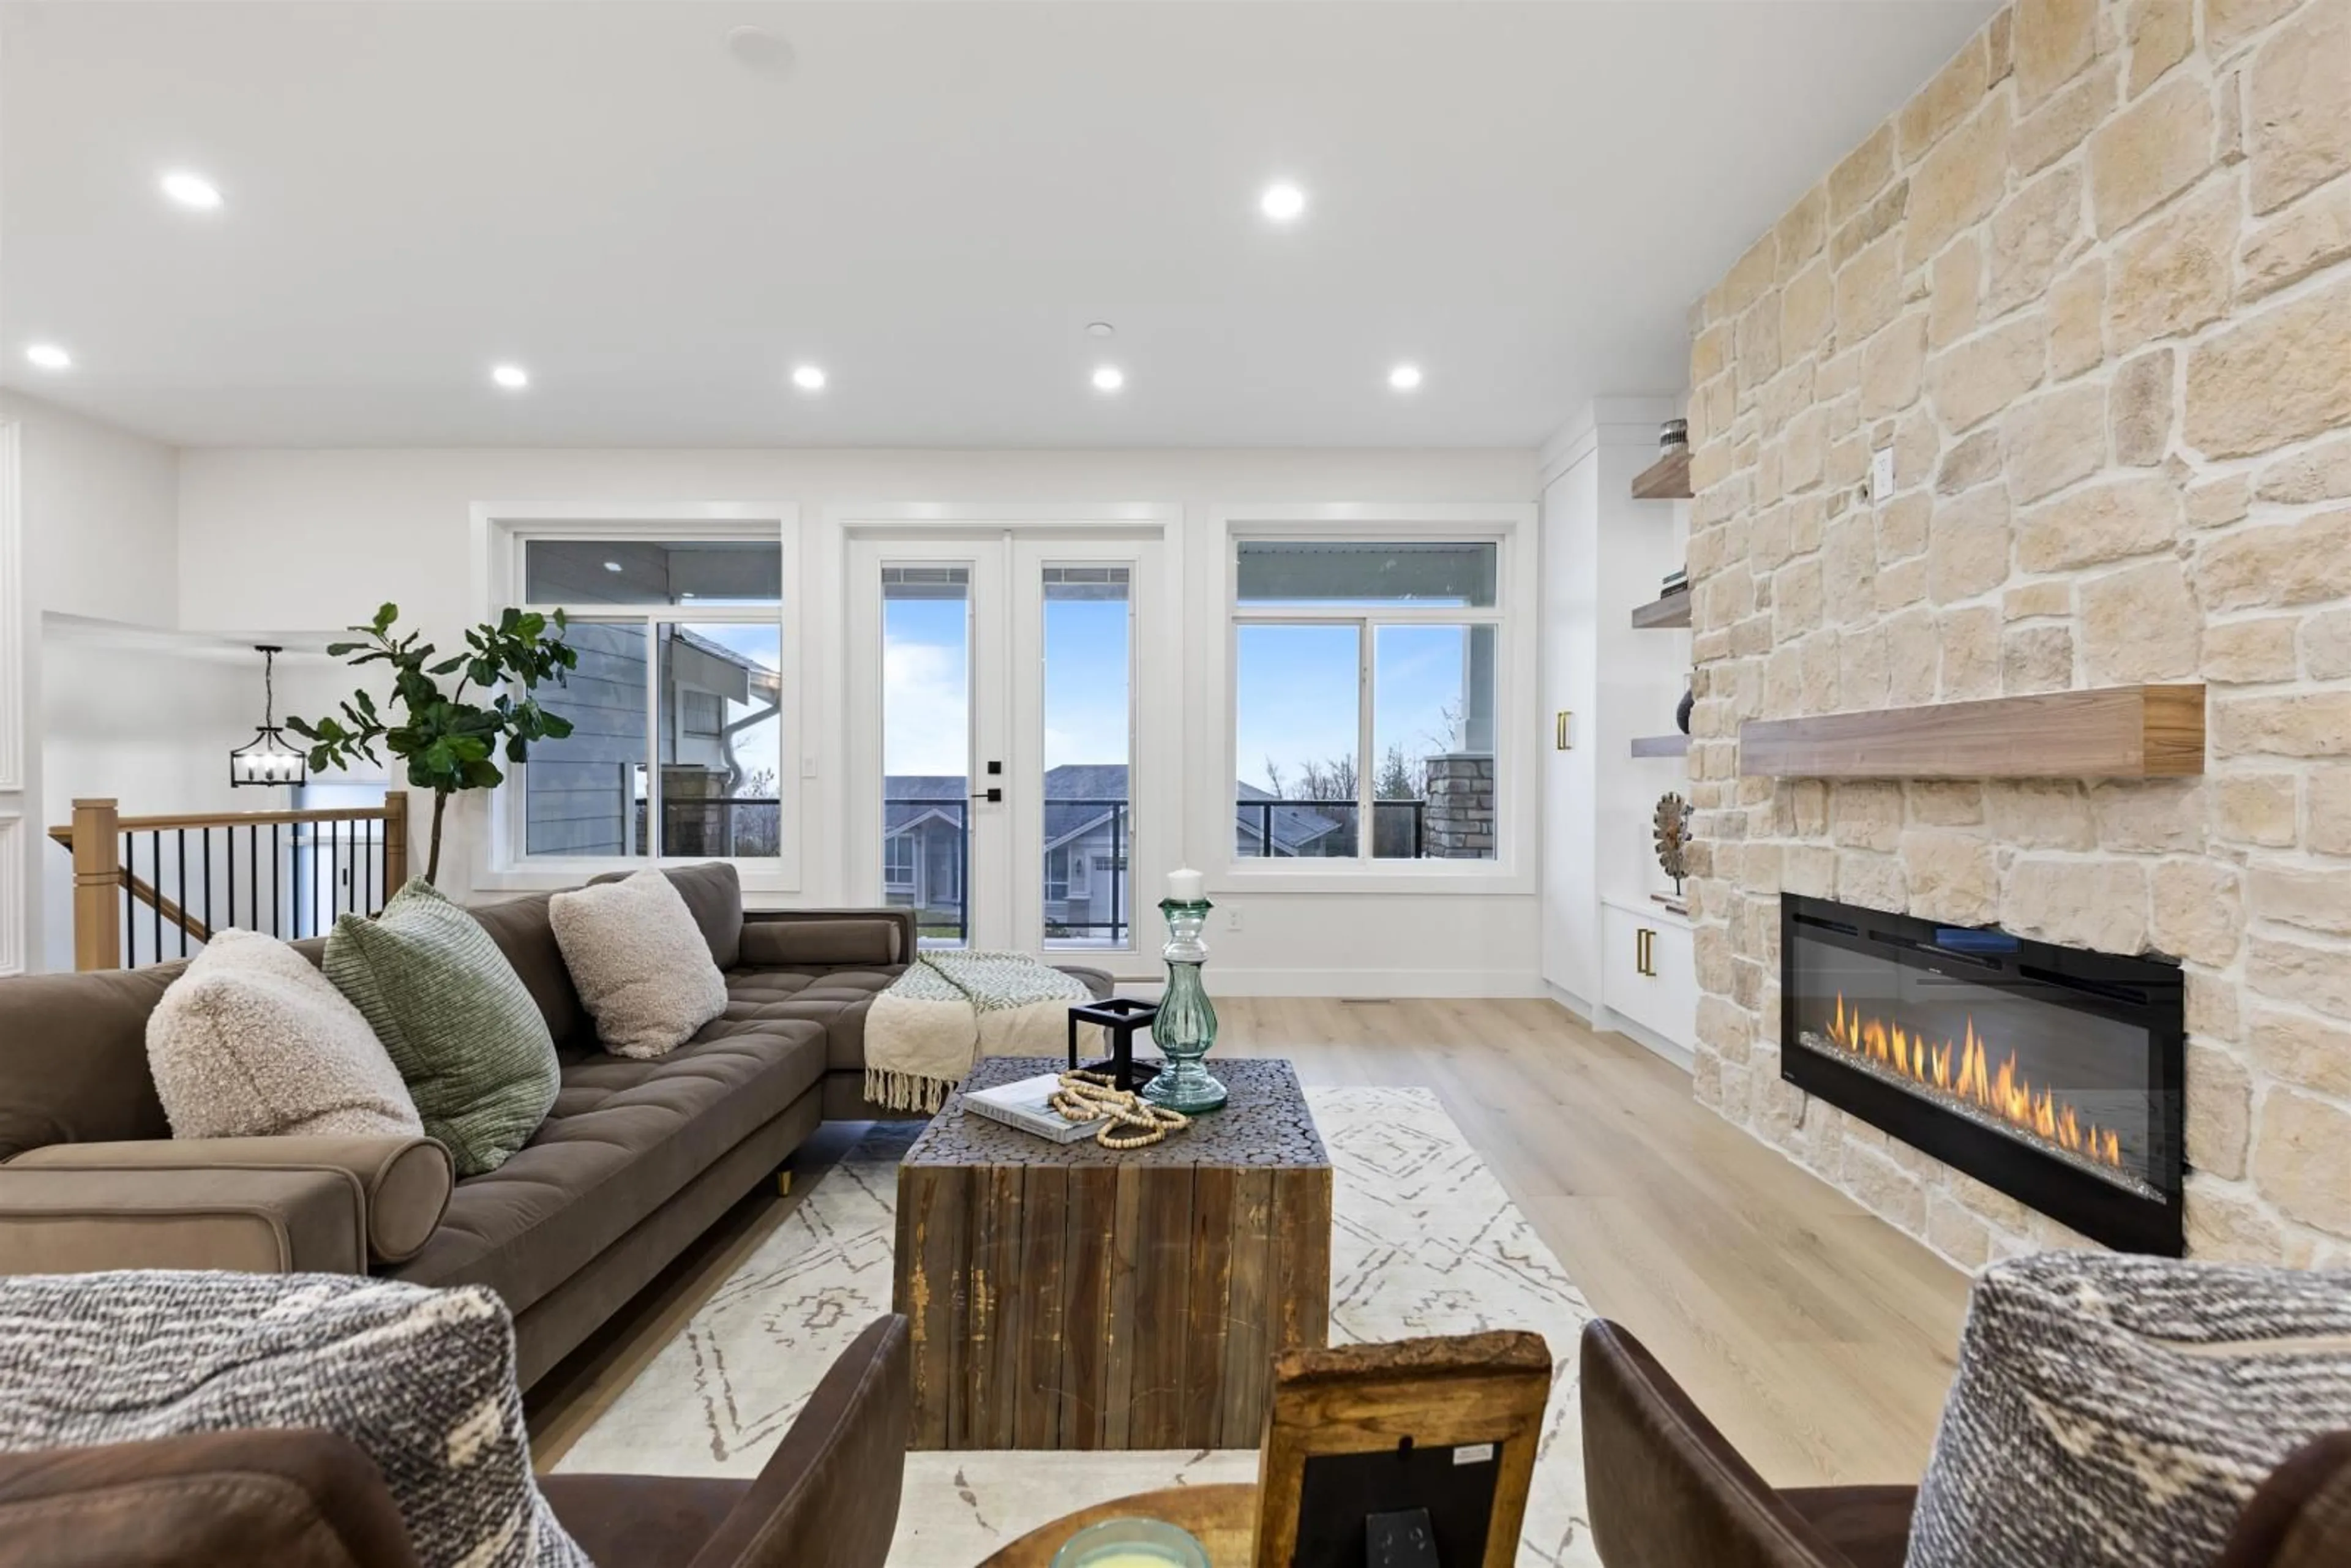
x=1672 y=824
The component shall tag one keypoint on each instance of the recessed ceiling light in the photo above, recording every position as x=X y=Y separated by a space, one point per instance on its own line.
x=767 y=53
x=809 y=378
x=50 y=357
x=612 y=566
x=1405 y=378
x=1282 y=202
x=1109 y=378
x=514 y=378
x=191 y=190
x=1101 y=330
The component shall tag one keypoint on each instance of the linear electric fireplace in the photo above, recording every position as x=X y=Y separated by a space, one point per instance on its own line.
x=2049 y=1072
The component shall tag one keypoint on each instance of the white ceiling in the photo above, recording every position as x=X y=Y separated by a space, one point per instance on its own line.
x=932 y=203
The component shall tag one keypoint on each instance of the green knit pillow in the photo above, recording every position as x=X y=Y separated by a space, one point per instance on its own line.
x=455 y=1019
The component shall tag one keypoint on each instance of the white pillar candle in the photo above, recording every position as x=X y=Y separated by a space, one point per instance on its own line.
x=1186 y=886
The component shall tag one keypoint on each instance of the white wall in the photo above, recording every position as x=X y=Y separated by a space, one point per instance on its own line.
x=97 y=509
x=146 y=718
x=318 y=538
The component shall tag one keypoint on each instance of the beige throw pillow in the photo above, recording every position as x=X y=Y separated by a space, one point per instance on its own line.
x=640 y=963
x=251 y=1040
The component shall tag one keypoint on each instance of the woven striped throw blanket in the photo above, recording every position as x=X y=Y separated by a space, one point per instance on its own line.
x=950 y=1009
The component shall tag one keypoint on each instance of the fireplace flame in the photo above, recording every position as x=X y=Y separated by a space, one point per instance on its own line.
x=1963 y=1070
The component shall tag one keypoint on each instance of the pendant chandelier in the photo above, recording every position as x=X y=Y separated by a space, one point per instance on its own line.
x=269 y=759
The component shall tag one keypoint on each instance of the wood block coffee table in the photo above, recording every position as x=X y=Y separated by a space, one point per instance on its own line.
x=1070 y=1296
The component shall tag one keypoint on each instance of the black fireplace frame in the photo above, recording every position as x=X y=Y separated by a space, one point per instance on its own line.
x=2146 y=992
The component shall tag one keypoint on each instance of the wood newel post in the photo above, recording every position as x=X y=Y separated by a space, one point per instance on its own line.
x=395 y=840
x=98 y=885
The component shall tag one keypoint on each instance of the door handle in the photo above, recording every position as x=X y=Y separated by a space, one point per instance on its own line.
x=990 y=795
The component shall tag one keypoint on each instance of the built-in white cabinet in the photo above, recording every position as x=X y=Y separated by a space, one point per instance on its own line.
x=1649 y=972
x=1608 y=691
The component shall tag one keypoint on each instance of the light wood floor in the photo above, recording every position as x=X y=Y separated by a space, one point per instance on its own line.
x=1817 y=1337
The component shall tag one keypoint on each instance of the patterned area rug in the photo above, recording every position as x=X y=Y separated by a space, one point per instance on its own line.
x=1425 y=1242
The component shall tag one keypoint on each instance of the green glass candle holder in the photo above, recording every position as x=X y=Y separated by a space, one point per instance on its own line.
x=1186 y=1026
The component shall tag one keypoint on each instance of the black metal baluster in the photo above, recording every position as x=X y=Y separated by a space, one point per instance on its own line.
x=275 y=909
x=155 y=886
x=334 y=872
x=208 y=883
x=128 y=855
x=180 y=885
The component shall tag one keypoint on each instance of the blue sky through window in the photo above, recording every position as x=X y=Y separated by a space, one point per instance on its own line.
x=1296 y=689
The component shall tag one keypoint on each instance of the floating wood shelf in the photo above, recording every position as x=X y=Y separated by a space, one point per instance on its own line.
x=1673 y=610
x=1661 y=746
x=2116 y=732
x=1666 y=479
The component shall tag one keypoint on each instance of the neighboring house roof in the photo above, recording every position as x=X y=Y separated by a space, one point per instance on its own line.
x=1078 y=798
x=768 y=684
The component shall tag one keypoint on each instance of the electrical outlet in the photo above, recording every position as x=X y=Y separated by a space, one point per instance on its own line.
x=1233 y=919
x=1881 y=473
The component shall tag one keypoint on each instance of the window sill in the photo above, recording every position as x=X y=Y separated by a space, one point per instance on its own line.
x=758 y=876
x=1418 y=877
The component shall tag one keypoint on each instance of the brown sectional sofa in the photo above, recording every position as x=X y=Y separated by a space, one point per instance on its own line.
x=635 y=1161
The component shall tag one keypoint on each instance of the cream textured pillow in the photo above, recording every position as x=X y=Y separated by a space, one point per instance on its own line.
x=640 y=962
x=253 y=1042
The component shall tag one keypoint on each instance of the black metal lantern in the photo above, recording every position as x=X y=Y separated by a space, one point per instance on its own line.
x=269 y=759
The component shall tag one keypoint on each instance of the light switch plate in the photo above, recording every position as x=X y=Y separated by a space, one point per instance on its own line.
x=1881 y=473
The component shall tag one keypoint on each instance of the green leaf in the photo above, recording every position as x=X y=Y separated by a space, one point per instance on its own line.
x=446 y=665
x=385 y=614
x=339 y=649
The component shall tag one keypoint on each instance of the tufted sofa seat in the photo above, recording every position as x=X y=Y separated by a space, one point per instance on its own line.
x=633 y=1163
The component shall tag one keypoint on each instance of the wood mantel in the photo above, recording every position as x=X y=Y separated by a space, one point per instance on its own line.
x=2114 y=732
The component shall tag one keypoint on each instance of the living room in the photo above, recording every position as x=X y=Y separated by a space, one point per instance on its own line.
x=1701 y=652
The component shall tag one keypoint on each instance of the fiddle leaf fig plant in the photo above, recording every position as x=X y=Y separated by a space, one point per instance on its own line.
x=446 y=742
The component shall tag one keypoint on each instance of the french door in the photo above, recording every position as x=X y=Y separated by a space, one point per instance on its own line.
x=1012 y=782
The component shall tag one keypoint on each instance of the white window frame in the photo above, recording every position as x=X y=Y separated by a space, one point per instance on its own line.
x=1510 y=527
x=891 y=843
x=501 y=532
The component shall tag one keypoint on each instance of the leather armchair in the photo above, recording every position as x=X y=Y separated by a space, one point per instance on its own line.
x=1666 y=1489
x=827 y=1499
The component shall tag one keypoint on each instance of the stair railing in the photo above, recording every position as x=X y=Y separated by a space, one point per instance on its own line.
x=153 y=888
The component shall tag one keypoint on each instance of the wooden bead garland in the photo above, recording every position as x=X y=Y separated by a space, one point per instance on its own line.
x=1135 y=1123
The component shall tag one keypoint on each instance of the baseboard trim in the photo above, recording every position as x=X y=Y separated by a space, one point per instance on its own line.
x=1647 y=1038
x=1583 y=1011
x=1370 y=983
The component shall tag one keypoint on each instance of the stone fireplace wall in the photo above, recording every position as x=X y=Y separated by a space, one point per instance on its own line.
x=2092 y=287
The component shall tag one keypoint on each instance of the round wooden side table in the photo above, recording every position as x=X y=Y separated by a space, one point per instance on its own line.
x=1223 y=1518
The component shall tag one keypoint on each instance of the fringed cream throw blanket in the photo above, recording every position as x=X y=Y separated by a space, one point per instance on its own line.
x=950 y=1009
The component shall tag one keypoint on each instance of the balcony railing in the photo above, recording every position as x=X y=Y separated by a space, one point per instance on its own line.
x=1326 y=829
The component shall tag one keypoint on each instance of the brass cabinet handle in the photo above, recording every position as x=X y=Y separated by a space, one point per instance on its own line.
x=1642 y=937
x=1560 y=740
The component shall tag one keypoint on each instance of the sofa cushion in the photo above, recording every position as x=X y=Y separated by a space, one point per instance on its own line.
x=421 y=1381
x=524 y=934
x=463 y=1032
x=252 y=1042
x=818 y=942
x=834 y=1000
x=622 y=1137
x=640 y=963
x=713 y=894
